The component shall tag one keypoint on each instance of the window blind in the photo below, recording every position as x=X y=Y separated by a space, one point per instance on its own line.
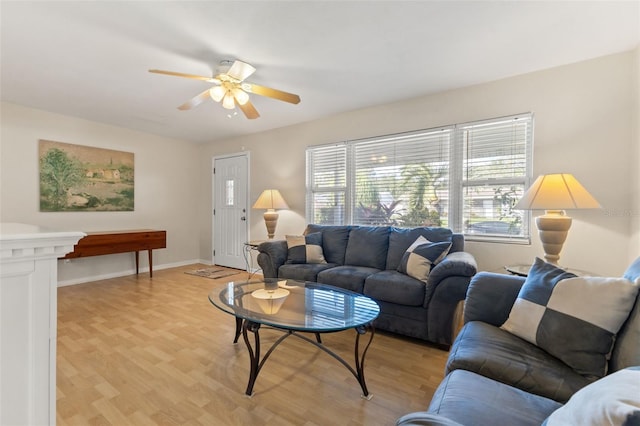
x=401 y=180
x=467 y=177
x=496 y=166
x=327 y=184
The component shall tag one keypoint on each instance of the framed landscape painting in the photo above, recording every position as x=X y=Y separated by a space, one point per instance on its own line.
x=83 y=178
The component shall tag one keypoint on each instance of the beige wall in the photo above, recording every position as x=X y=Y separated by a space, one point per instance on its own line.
x=583 y=125
x=587 y=123
x=634 y=247
x=166 y=188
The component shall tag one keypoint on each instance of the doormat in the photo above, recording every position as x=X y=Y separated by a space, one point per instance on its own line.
x=213 y=273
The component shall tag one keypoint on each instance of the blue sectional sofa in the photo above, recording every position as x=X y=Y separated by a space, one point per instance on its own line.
x=366 y=259
x=495 y=377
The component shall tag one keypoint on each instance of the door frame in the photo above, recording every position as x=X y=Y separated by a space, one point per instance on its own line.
x=247 y=155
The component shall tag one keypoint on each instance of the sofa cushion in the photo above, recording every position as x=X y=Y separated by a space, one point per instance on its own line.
x=305 y=248
x=612 y=400
x=471 y=399
x=421 y=256
x=303 y=271
x=401 y=238
x=502 y=356
x=573 y=318
x=367 y=246
x=346 y=276
x=394 y=287
x=402 y=319
x=334 y=241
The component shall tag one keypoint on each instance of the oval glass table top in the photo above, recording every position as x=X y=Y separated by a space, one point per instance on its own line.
x=295 y=305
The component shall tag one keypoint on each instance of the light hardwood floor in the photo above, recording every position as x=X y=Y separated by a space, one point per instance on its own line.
x=143 y=351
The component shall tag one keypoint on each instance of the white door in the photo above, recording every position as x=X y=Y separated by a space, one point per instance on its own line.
x=230 y=210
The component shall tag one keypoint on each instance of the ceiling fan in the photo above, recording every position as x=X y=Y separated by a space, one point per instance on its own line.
x=231 y=89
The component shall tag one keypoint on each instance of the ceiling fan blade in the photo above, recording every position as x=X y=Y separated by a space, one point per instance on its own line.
x=271 y=93
x=194 y=102
x=249 y=110
x=179 y=74
x=240 y=70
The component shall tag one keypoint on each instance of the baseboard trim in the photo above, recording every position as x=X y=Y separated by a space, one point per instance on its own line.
x=124 y=273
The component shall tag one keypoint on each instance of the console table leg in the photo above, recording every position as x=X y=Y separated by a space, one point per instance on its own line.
x=254 y=354
x=137 y=262
x=150 y=264
x=360 y=357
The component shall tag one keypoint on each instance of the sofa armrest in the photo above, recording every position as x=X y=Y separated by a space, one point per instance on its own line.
x=271 y=256
x=441 y=310
x=458 y=263
x=423 y=418
x=490 y=297
x=447 y=285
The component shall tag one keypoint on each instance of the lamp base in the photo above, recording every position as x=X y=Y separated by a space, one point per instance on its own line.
x=553 y=228
x=270 y=301
x=271 y=220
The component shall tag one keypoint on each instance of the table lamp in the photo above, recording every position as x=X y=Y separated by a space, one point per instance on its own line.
x=270 y=199
x=554 y=193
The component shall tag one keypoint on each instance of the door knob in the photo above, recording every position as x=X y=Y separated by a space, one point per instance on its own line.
x=243 y=218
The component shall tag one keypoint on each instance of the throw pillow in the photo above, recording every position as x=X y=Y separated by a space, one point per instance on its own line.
x=421 y=256
x=573 y=318
x=305 y=248
x=612 y=400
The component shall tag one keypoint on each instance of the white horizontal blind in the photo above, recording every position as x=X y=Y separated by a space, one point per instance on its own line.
x=327 y=184
x=496 y=164
x=401 y=180
x=466 y=177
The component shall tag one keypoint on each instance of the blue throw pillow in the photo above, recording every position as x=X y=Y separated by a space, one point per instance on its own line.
x=419 y=258
x=305 y=248
x=401 y=238
x=575 y=319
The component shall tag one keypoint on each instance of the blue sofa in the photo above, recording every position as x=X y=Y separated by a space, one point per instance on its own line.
x=495 y=377
x=365 y=259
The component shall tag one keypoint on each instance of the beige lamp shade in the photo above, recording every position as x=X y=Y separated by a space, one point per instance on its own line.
x=554 y=193
x=270 y=199
x=557 y=192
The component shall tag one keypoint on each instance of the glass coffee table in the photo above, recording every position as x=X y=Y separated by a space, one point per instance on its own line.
x=297 y=308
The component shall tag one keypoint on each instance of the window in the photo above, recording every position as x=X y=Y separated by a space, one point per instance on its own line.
x=229 y=194
x=327 y=184
x=466 y=177
x=496 y=167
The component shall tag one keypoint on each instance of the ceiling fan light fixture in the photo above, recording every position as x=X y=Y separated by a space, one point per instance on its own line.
x=228 y=102
x=217 y=93
x=241 y=96
x=231 y=90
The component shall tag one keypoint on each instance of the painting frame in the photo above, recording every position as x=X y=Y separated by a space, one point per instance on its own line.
x=76 y=178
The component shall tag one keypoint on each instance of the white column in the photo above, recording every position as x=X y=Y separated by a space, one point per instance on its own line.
x=28 y=321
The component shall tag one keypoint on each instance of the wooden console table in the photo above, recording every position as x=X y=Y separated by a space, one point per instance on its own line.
x=112 y=242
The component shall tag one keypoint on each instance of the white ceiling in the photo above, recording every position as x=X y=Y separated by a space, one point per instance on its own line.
x=90 y=59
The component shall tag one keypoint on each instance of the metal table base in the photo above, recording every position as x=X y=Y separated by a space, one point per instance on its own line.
x=256 y=363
